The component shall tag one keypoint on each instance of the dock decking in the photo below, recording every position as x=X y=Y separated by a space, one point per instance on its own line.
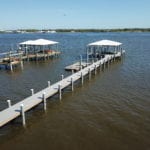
x=9 y=62
x=76 y=66
x=28 y=103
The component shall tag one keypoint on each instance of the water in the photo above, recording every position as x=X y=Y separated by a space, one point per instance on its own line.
x=112 y=111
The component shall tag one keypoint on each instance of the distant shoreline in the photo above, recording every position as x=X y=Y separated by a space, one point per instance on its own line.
x=75 y=30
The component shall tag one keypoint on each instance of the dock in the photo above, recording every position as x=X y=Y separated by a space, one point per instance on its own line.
x=19 y=109
x=32 y=50
x=9 y=62
x=76 y=66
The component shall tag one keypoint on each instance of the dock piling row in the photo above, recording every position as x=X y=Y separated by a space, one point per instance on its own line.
x=28 y=103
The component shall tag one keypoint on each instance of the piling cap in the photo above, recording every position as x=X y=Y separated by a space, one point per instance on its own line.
x=44 y=93
x=22 y=105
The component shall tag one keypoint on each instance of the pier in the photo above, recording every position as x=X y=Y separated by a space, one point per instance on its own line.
x=33 y=50
x=19 y=109
x=76 y=66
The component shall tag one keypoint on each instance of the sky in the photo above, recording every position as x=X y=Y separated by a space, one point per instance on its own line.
x=77 y=14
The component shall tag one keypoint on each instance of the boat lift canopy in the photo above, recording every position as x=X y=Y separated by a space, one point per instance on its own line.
x=105 y=43
x=34 y=46
x=102 y=47
x=38 y=42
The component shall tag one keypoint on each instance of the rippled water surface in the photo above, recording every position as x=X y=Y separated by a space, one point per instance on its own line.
x=111 y=111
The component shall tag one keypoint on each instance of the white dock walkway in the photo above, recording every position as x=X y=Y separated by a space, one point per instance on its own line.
x=14 y=111
x=76 y=66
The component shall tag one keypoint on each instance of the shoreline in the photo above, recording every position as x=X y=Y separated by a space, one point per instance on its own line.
x=75 y=30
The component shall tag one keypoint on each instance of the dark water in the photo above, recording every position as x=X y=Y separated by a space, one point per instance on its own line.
x=112 y=111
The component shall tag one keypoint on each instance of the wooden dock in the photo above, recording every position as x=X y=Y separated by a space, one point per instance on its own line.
x=19 y=109
x=17 y=58
x=76 y=66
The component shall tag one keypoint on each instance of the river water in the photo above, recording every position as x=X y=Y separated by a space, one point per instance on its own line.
x=111 y=111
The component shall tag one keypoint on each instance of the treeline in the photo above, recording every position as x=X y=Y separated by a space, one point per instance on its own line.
x=77 y=30
x=105 y=30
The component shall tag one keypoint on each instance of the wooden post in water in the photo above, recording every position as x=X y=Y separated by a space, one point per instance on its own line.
x=110 y=59
x=23 y=114
x=104 y=64
x=9 y=103
x=89 y=73
x=62 y=77
x=72 y=71
x=44 y=100
x=95 y=69
x=87 y=57
x=59 y=91
x=121 y=52
x=21 y=61
x=49 y=83
x=108 y=62
x=72 y=84
x=82 y=78
x=44 y=56
x=32 y=91
x=92 y=61
x=114 y=58
x=36 y=56
x=21 y=64
x=80 y=61
x=11 y=66
x=100 y=66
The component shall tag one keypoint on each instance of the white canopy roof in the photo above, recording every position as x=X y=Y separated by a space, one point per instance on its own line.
x=38 y=42
x=105 y=43
x=26 y=42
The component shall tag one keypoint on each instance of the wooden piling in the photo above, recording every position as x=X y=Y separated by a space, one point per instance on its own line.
x=82 y=78
x=72 y=71
x=95 y=69
x=72 y=84
x=62 y=77
x=11 y=66
x=44 y=100
x=49 y=83
x=9 y=103
x=104 y=65
x=23 y=115
x=32 y=91
x=60 y=92
x=89 y=73
x=108 y=62
x=21 y=64
x=100 y=66
x=114 y=58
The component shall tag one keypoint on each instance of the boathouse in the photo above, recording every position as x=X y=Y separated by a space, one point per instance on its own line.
x=96 y=51
x=99 y=49
x=39 y=49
